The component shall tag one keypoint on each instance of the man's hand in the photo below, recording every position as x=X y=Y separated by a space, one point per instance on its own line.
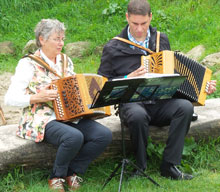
x=45 y=94
x=138 y=72
x=211 y=87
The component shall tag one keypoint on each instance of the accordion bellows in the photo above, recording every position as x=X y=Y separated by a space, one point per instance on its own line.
x=194 y=87
x=76 y=94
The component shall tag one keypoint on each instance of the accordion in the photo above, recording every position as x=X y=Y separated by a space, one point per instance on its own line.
x=75 y=96
x=195 y=85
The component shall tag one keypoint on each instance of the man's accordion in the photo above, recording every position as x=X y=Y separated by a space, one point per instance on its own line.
x=194 y=87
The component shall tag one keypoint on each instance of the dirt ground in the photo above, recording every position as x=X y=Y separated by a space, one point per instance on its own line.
x=12 y=114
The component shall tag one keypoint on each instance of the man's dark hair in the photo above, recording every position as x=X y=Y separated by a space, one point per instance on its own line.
x=139 y=7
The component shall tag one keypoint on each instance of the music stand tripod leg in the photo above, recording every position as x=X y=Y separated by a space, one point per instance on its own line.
x=143 y=173
x=124 y=163
x=128 y=161
x=112 y=175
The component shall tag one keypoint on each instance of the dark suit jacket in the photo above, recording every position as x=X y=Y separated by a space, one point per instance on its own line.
x=119 y=59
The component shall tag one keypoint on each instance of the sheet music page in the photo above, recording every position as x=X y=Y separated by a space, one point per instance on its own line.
x=149 y=75
x=151 y=86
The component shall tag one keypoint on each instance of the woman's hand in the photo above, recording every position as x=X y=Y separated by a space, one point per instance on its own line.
x=138 y=72
x=211 y=87
x=45 y=94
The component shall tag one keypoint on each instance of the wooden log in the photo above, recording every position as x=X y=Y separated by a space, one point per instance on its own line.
x=17 y=151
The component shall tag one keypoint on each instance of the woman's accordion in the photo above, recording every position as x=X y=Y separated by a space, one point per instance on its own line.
x=75 y=96
x=194 y=87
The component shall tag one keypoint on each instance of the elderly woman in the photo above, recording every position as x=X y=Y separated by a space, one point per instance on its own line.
x=79 y=143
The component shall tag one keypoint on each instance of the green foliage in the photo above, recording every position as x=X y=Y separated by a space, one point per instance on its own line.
x=203 y=154
x=18 y=180
x=12 y=181
x=154 y=152
x=7 y=63
x=25 y=6
x=12 y=12
x=164 y=22
x=187 y=23
x=114 y=8
x=207 y=153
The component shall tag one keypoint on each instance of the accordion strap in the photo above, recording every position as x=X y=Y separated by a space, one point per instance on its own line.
x=45 y=65
x=158 y=42
x=64 y=63
x=134 y=44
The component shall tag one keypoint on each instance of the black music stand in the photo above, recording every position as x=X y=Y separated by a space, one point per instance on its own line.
x=133 y=90
x=124 y=162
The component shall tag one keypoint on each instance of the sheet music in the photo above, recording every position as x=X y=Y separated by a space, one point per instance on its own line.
x=148 y=87
x=149 y=75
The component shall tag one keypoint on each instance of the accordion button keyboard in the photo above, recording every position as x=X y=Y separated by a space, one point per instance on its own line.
x=146 y=64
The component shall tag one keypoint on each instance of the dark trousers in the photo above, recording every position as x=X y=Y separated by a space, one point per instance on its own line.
x=78 y=144
x=174 y=112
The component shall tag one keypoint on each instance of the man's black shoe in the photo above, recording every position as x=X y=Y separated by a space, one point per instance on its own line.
x=174 y=173
x=194 y=117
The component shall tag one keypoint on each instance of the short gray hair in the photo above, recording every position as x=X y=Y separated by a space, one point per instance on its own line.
x=46 y=27
x=139 y=7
